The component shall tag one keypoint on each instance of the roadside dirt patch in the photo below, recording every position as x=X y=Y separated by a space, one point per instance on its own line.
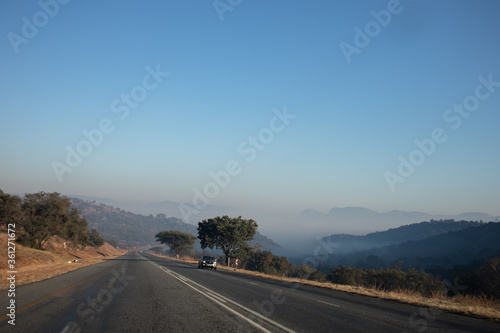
x=57 y=258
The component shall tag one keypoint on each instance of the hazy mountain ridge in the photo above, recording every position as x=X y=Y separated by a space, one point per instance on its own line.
x=414 y=231
x=354 y=220
x=455 y=248
x=467 y=246
x=130 y=229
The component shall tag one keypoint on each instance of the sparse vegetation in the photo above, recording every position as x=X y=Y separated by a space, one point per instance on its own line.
x=112 y=242
x=35 y=265
x=392 y=279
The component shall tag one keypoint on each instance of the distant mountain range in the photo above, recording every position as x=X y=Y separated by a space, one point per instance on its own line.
x=129 y=229
x=302 y=230
x=358 y=219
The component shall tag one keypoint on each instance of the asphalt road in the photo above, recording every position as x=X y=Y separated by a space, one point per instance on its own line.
x=142 y=293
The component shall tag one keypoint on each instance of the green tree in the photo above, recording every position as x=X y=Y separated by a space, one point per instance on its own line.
x=95 y=239
x=47 y=215
x=179 y=242
x=226 y=233
x=10 y=210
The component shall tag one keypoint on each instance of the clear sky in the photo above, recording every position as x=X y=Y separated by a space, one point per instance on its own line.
x=301 y=104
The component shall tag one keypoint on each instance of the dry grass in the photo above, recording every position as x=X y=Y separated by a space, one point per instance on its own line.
x=35 y=265
x=480 y=307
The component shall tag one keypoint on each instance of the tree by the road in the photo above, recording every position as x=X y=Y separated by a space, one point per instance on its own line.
x=48 y=214
x=226 y=233
x=10 y=209
x=95 y=239
x=179 y=242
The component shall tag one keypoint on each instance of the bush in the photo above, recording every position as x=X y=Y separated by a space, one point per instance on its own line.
x=95 y=239
x=268 y=263
x=485 y=281
x=300 y=271
x=387 y=279
x=317 y=276
x=347 y=275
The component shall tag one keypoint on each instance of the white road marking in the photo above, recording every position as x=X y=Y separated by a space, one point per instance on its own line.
x=219 y=299
x=215 y=296
x=256 y=284
x=338 y=306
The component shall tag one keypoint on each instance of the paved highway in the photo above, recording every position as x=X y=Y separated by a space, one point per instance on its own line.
x=142 y=293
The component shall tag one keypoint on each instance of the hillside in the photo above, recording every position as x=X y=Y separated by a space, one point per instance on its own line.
x=130 y=229
x=416 y=231
x=57 y=258
x=469 y=246
x=170 y=208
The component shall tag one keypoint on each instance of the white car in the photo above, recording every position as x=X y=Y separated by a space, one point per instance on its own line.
x=207 y=261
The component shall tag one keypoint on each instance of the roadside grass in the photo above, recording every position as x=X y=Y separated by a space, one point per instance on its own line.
x=473 y=306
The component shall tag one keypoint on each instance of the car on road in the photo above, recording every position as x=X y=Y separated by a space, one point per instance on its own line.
x=207 y=261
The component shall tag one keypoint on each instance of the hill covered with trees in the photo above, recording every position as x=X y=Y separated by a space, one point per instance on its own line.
x=412 y=232
x=446 y=254
x=129 y=229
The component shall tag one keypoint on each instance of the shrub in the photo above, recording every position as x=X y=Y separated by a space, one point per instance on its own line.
x=392 y=279
x=95 y=239
x=268 y=263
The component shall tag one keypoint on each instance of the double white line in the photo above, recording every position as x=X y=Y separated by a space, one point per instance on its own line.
x=224 y=301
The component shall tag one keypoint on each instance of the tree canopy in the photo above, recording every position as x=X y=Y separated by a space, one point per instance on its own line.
x=229 y=234
x=95 y=239
x=10 y=209
x=47 y=215
x=40 y=216
x=178 y=241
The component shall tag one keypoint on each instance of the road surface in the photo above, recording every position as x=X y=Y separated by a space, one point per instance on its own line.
x=138 y=292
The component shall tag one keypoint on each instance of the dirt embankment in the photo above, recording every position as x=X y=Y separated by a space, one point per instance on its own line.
x=58 y=258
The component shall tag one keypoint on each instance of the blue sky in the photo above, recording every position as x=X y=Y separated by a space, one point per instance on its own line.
x=352 y=119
